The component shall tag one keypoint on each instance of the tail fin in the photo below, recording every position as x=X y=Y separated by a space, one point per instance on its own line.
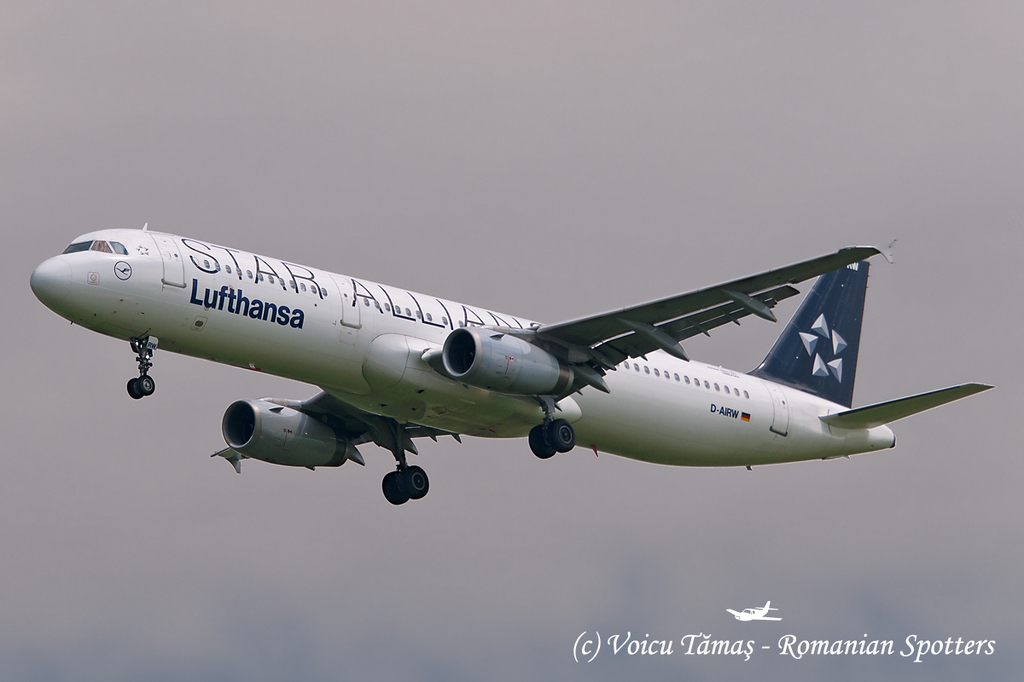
x=817 y=351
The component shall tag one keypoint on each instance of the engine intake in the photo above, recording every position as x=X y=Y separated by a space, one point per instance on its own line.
x=501 y=362
x=263 y=430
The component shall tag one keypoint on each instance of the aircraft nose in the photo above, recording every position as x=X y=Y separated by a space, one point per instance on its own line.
x=51 y=281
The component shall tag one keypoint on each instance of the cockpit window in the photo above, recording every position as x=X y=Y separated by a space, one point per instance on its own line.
x=80 y=246
x=119 y=248
x=101 y=246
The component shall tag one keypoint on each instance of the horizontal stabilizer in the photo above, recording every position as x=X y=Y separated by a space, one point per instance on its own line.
x=883 y=413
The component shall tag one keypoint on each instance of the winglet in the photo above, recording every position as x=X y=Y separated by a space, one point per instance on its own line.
x=887 y=251
x=231 y=456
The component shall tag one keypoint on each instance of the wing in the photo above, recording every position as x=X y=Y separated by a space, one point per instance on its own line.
x=358 y=425
x=365 y=427
x=606 y=340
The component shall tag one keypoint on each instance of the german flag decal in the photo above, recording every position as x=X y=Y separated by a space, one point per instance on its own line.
x=745 y=416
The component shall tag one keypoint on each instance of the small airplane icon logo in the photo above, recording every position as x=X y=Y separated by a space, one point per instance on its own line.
x=754 y=614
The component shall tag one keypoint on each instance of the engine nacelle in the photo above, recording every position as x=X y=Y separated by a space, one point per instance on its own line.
x=501 y=362
x=281 y=435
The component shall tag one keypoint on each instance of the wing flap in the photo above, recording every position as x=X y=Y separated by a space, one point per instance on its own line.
x=635 y=344
x=878 y=414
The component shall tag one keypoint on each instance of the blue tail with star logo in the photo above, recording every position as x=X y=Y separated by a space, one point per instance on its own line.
x=817 y=351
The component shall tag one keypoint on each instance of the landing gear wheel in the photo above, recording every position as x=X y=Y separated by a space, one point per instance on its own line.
x=539 y=442
x=561 y=435
x=146 y=385
x=394 y=491
x=134 y=390
x=415 y=482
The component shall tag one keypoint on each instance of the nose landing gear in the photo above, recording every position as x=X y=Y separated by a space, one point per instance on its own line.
x=144 y=384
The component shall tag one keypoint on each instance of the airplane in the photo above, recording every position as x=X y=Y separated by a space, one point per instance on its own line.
x=394 y=365
x=755 y=614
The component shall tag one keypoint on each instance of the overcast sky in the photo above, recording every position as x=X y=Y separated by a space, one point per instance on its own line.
x=548 y=159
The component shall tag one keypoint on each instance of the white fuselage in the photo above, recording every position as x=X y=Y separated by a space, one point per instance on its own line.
x=362 y=342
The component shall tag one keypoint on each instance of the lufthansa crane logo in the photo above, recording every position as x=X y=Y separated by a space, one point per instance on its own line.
x=122 y=270
x=820 y=368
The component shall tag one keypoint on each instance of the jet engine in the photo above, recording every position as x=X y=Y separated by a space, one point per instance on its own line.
x=273 y=433
x=501 y=362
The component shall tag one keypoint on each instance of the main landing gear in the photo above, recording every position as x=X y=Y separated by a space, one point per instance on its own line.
x=555 y=435
x=406 y=482
x=144 y=385
x=410 y=483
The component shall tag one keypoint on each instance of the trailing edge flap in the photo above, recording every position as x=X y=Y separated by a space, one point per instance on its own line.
x=883 y=413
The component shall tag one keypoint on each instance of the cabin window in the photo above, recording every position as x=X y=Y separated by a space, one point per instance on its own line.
x=686 y=379
x=444 y=320
x=259 y=276
x=118 y=247
x=717 y=388
x=656 y=373
x=666 y=374
x=736 y=391
x=101 y=246
x=227 y=269
x=270 y=278
x=302 y=285
x=726 y=389
x=292 y=285
x=249 y=273
x=206 y=264
x=408 y=313
x=746 y=395
x=429 y=319
x=366 y=301
x=80 y=246
x=677 y=377
x=636 y=367
x=647 y=370
x=707 y=386
x=376 y=304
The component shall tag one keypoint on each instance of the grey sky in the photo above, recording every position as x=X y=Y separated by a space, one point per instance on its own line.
x=549 y=160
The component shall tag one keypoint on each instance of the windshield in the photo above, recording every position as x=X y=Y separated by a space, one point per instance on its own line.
x=98 y=245
x=80 y=246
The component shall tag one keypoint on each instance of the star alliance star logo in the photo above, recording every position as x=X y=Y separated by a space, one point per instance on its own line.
x=821 y=333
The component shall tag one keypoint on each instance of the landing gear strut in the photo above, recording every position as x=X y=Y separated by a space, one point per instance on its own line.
x=406 y=482
x=144 y=385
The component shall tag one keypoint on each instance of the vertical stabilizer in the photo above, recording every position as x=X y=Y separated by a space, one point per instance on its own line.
x=817 y=351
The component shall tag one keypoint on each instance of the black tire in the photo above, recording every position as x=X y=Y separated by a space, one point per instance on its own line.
x=394 y=491
x=561 y=435
x=415 y=482
x=539 y=443
x=146 y=385
x=134 y=390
